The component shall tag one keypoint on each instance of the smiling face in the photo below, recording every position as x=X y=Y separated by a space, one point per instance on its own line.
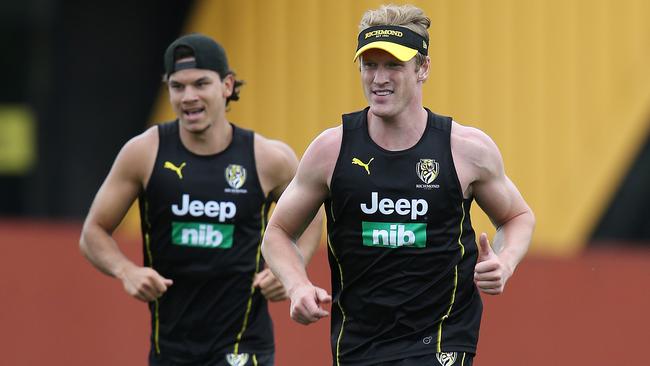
x=198 y=97
x=391 y=86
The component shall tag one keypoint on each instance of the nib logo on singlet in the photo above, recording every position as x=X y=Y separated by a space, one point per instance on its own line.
x=395 y=234
x=203 y=234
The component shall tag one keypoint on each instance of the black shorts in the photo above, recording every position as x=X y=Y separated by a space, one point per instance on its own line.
x=439 y=359
x=242 y=359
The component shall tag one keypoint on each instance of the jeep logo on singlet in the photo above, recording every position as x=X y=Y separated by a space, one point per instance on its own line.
x=196 y=208
x=394 y=234
x=402 y=207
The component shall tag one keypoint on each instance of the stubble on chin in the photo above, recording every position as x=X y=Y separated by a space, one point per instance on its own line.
x=196 y=128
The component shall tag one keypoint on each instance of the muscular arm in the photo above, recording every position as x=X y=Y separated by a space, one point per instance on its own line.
x=512 y=217
x=481 y=167
x=117 y=193
x=298 y=204
x=277 y=167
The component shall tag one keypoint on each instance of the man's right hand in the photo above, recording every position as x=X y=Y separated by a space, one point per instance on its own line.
x=144 y=283
x=306 y=301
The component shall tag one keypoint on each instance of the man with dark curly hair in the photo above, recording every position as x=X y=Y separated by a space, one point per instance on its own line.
x=204 y=187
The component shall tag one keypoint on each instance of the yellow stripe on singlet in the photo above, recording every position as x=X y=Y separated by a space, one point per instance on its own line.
x=338 y=340
x=254 y=360
x=258 y=256
x=156 y=327
x=147 y=246
x=453 y=294
x=462 y=221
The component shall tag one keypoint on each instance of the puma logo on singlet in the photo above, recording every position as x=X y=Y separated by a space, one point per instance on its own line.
x=366 y=166
x=177 y=169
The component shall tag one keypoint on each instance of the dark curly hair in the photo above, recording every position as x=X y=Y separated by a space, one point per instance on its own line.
x=234 y=96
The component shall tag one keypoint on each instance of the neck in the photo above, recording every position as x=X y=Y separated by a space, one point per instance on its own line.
x=209 y=141
x=398 y=132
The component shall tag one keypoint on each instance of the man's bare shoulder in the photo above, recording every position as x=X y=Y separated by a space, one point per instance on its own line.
x=144 y=141
x=139 y=153
x=276 y=163
x=275 y=157
x=327 y=144
x=274 y=152
x=319 y=160
x=471 y=142
x=473 y=147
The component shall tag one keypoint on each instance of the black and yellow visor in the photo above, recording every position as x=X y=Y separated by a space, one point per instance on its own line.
x=400 y=42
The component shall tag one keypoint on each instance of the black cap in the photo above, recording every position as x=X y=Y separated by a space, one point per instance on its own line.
x=208 y=55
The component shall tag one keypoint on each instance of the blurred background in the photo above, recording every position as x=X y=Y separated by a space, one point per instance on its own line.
x=562 y=86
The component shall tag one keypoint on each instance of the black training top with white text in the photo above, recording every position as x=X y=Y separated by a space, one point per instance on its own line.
x=202 y=221
x=402 y=249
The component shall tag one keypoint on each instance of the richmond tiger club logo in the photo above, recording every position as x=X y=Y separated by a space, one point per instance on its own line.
x=237 y=359
x=427 y=170
x=236 y=177
x=446 y=358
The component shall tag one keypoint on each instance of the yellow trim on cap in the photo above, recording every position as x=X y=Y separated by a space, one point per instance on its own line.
x=400 y=52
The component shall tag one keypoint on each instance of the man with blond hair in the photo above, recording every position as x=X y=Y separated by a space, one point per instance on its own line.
x=398 y=181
